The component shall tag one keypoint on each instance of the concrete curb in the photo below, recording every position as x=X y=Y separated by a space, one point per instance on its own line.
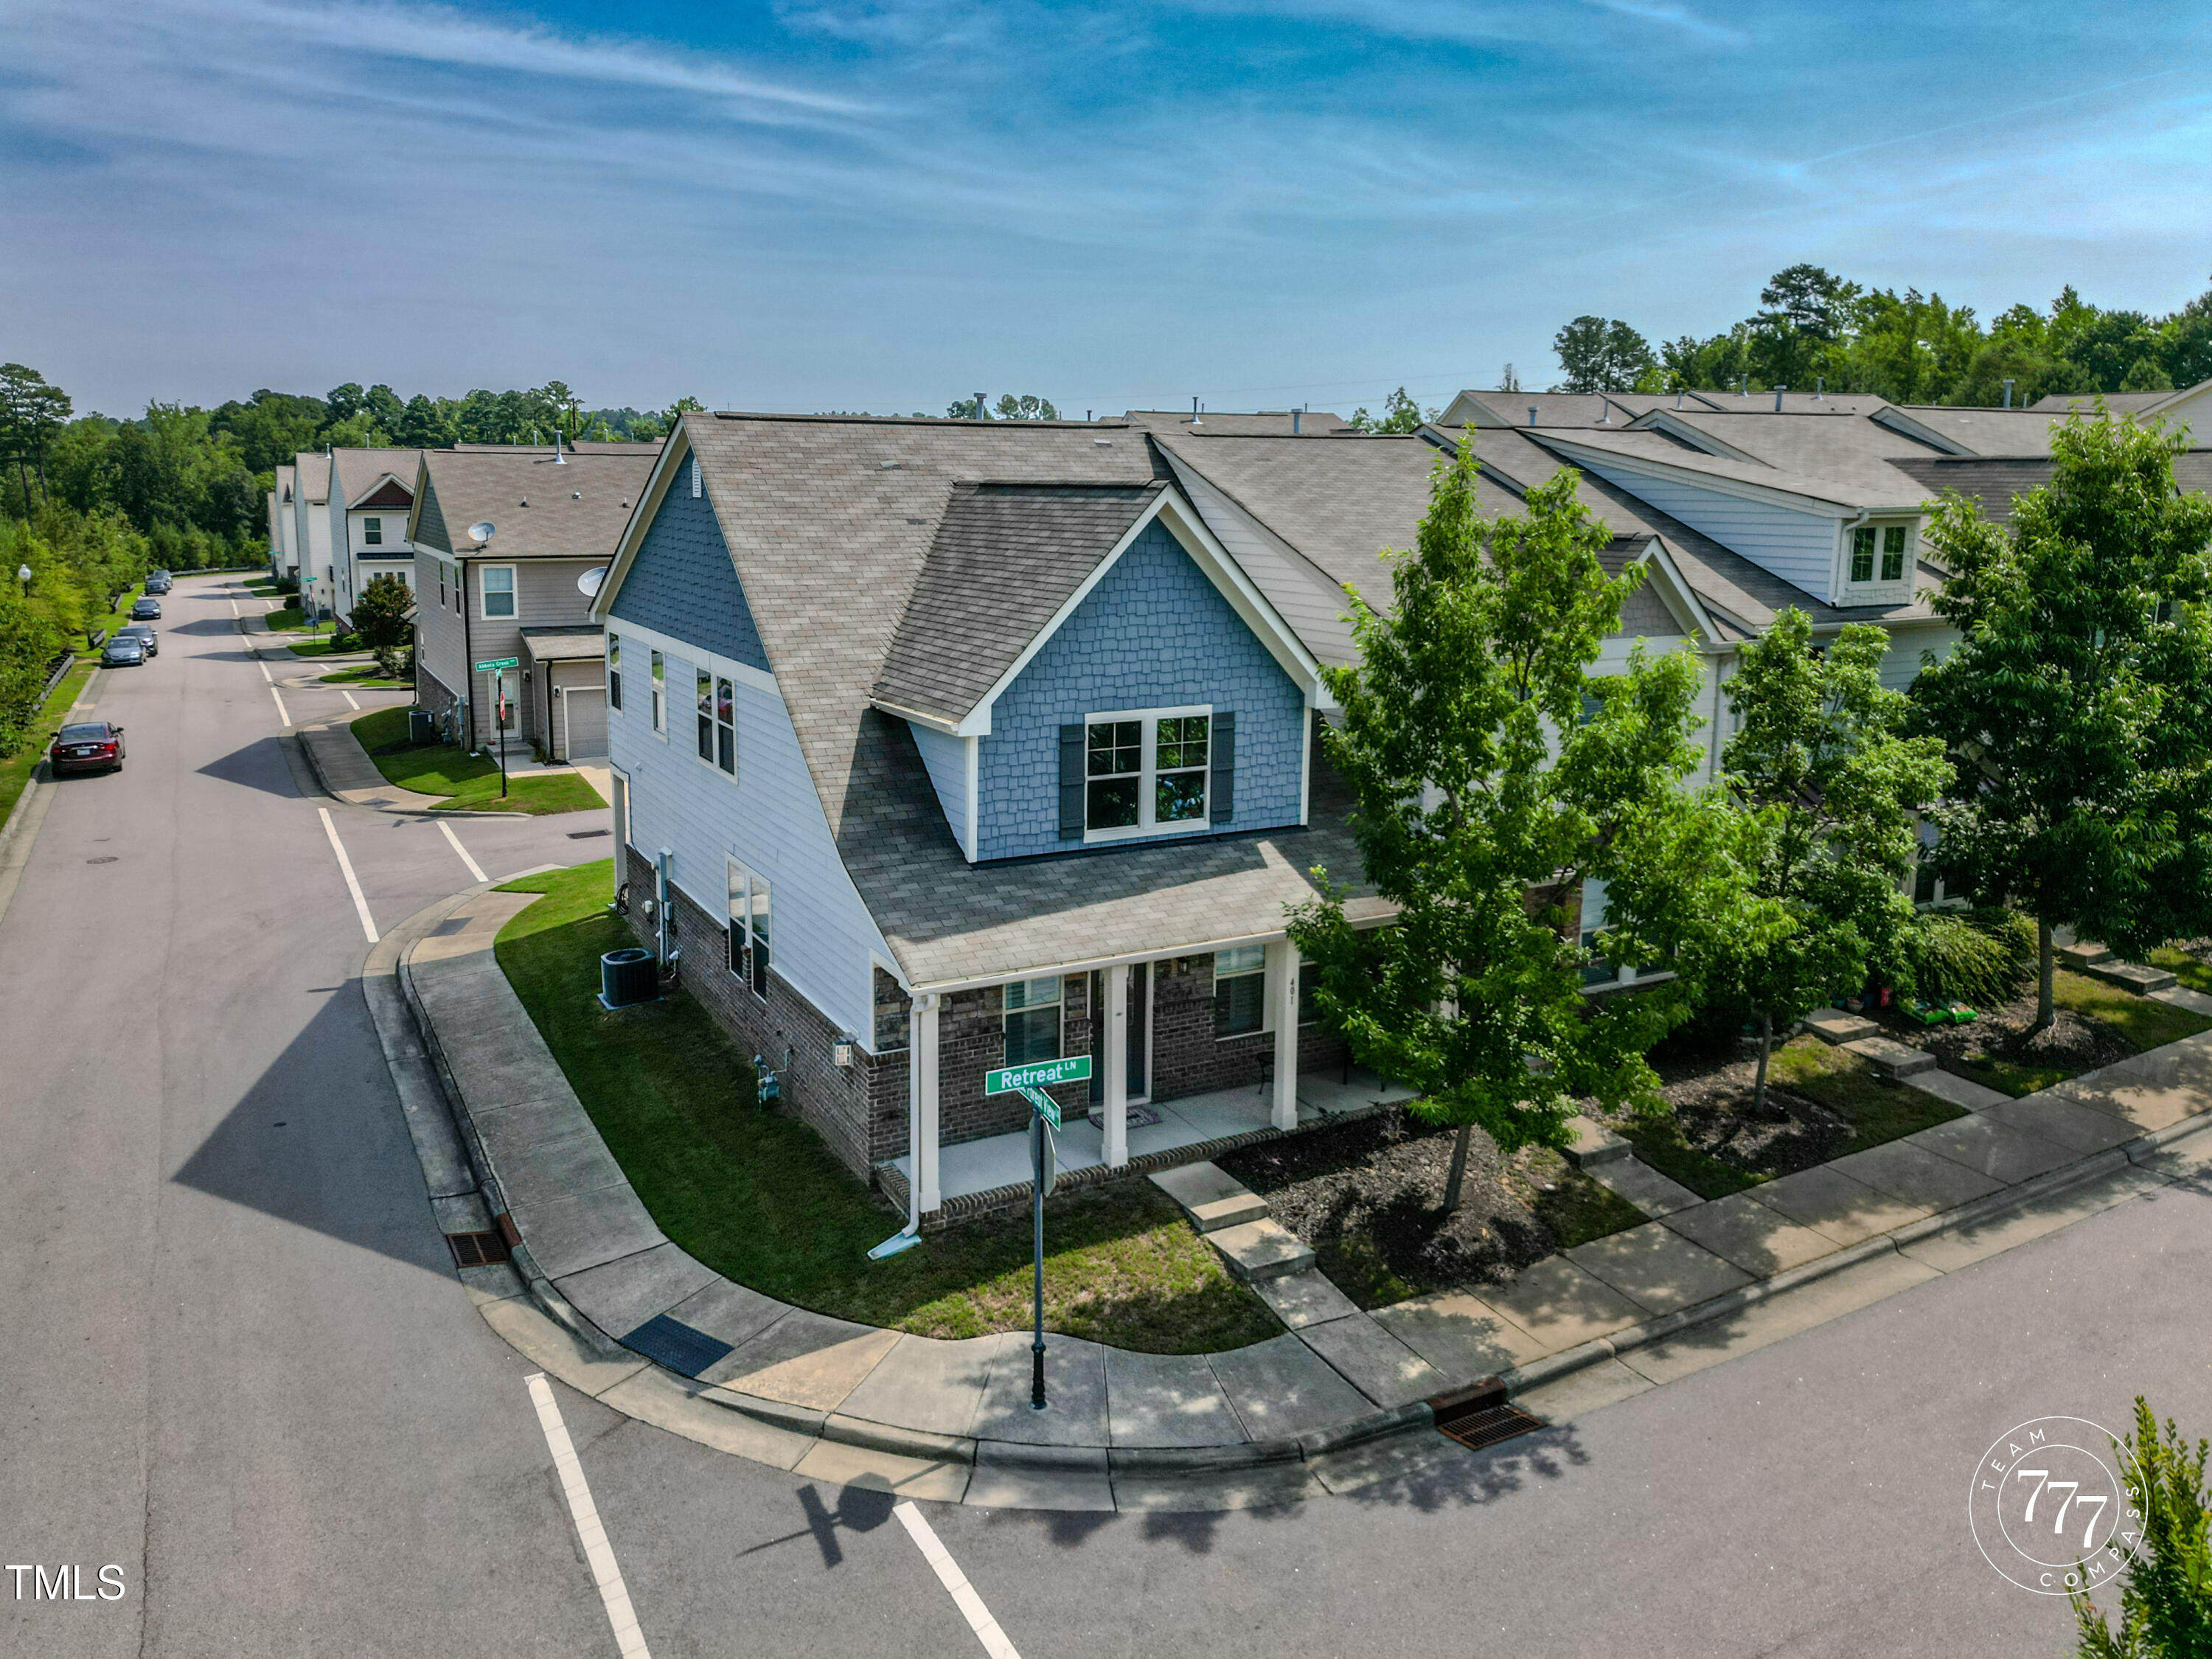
x=307 y=753
x=782 y=1434
x=1520 y=1379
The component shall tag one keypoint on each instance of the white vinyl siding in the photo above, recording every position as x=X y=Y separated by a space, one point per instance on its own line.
x=773 y=825
x=946 y=759
x=1800 y=547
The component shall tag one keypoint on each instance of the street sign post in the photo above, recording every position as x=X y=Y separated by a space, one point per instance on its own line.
x=1031 y=1082
x=496 y=668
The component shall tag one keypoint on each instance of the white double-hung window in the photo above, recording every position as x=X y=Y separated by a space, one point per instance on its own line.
x=1146 y=772
x=1032 y=1016
x=750 y=928
x=498 y=589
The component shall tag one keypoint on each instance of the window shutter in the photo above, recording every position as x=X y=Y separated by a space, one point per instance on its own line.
x=1071 y=783
x=1221 y=797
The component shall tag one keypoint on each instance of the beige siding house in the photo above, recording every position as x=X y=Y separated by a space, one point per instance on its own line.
x=522 y=589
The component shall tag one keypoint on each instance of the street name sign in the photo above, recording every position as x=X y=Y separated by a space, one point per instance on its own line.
x=1020 y=1079
x=498 y=662
x=1046 y=1107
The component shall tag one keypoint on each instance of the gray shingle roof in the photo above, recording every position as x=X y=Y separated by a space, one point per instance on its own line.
x=569 y=643
x=1005 y=558
x=1994 y=481
x=357 y=469
x=311 y=468
x=1265 y=422
x=2059 y=402
x=831 y=523
x=575 y=510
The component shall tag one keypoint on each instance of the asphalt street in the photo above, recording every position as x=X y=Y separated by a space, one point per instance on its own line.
x=234 y=1360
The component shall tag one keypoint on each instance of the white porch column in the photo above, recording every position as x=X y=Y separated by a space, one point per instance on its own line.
x=921 y=1106
x=1114 y=1055
x=1283 y=991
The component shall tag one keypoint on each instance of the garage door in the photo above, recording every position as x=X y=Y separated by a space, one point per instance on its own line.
x=584 y=722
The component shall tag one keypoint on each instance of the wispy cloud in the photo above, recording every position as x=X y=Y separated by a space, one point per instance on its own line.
x=863 y=203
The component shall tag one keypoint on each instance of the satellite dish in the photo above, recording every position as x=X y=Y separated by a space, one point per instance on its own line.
x=588 y=583
x=482 y=531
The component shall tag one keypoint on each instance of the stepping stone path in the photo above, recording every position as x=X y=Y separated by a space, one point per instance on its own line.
x=2085 y=955
x=2132 y=976
x=1610 y=1161
x=1839 y=1026
x=1891 y=1059
x=1236 y=1222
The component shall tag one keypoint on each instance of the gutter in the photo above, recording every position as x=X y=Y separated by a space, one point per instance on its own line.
x=468 y=655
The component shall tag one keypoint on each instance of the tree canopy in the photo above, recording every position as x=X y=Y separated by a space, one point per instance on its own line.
x=2078 y=703
x=1815 y=328
x=1493 y=779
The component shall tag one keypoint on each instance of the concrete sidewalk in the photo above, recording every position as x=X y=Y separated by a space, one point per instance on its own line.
x=601 y=1299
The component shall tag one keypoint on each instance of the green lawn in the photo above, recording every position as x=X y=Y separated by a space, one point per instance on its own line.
x=2190 y=970
x=362 y=674
x=2142 y=1022
x=285 y=619
x=16 y=769
x=468 y=781
x=758 y=1197
x=1874 y=1111
x=317 y=648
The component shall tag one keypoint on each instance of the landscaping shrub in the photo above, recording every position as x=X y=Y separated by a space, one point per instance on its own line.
x=1982 y=957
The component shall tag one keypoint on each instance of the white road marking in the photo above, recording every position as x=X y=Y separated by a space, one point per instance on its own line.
x=280 y=713
x=348 y=696
x=598 y=1553
x=345 y=867
x=234 y=607
x=956 y=1583
x=264 y=667
x=455 y=842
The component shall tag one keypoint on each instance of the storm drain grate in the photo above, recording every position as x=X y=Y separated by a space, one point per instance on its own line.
x=1486 y=1425
x=588 y=834
x=477 y=1249
x=672 y=1343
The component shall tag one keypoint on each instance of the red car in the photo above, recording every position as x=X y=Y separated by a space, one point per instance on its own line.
x=90 y=746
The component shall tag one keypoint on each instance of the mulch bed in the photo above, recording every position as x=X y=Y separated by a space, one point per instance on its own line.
x=1368 y=1195
x=2002 y=1033
x=1711 y=1097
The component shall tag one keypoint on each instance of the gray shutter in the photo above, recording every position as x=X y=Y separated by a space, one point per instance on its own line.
x=1221 y=796
x=1071 y=783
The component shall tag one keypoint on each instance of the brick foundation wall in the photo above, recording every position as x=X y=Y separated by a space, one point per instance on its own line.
x=845 y=1105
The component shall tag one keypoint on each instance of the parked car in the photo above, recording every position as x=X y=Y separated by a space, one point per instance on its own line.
x=122 y=650
x=147 y=609
x=87 y=746
x=159 y=583
x=143 y=632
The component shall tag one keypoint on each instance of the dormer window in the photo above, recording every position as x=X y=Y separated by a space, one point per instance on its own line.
x=1885 y=544
x=1146 y=772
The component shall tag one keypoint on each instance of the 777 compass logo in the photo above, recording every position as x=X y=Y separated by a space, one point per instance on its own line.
x=2056 y=1505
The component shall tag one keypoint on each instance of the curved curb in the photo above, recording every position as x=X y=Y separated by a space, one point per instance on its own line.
x=449 y=1144
x=307 y=752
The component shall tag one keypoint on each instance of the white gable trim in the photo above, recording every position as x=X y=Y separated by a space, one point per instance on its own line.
x=1674 y=591
x=1170 y=509
x=673 y=453
x=1896 y=420
x=382 y=478
x=1666 y=420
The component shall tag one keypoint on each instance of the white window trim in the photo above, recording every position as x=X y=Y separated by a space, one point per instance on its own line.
x=513 y=593
x=1266 y=999
x=1148 y=773
x=708 y=760
x=1875 y=589
x=372 y=530
x=745 y=872
x=656 y=691
x=1060 y=1038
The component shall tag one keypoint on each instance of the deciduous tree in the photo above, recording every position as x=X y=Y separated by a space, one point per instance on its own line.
x=384 y=617
x=1493 y=779
x=2079 y=703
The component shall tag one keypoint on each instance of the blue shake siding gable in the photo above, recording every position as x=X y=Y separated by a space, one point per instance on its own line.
x=682 y=585
x=1154 y=633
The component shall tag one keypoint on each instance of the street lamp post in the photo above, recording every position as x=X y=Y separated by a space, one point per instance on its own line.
x=23 y=574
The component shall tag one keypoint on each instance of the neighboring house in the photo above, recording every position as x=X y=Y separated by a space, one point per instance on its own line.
x=283 y=560
x=523 y=592
x=371 y=493
x=310 y=531
x=1267 y=423
x=2191 y=407
x=1541 y=409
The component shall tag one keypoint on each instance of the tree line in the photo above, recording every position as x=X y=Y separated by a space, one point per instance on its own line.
x=1816 y=330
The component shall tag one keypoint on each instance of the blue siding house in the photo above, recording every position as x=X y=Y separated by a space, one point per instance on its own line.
x=940 y=745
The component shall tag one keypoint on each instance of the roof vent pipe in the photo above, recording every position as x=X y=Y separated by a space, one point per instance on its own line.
x=2007 y=402
x=1532 y=414
x=982 y=409
x=1295 y=414
x=559 y=459
x=1778 y=391
x=1679 y=395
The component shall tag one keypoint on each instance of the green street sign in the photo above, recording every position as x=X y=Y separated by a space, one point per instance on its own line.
x=498 y=662
x=1020 y=1079
x=1047 y=1108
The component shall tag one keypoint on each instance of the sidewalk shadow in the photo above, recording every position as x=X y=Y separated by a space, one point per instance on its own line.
x=319 y=1141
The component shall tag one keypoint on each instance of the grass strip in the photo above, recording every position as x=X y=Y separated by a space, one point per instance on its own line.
x=1876 y=1111
x=467 y=782
x=17 y=769
x=2191 y=971
x=758 y=1197
x=2142 y=1022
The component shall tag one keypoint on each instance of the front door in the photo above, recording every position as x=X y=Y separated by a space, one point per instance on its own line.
x=1140 y=1026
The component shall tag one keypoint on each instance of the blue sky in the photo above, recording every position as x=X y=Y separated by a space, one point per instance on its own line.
x=886 y=205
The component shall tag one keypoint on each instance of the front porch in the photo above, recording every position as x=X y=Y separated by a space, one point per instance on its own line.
x=977 y=1176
